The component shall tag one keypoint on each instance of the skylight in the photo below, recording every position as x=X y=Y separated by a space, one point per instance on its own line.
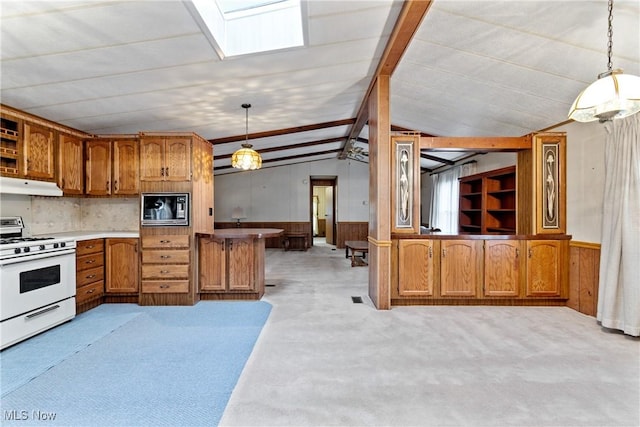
x=240 y=27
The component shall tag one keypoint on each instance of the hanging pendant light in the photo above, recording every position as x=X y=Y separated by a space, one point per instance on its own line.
x=246 y=158
x=613 y=96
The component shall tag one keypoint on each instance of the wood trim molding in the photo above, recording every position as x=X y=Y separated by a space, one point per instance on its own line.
x=379 y=243
x=476 y=143
x=586 y=245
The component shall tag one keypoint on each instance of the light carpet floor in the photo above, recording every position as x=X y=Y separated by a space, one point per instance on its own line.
x=322 y=360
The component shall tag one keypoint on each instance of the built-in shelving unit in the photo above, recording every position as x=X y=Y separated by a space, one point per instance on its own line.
x=488 y=202
x=9 y=146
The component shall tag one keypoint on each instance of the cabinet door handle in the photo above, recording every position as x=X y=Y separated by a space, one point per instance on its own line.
x=164 y=286
x=115 y=185
x=430 y=252
x=90 y=261
x=444 y=253
x=166 y=171
x=165 y=241
x=164 y=271
x=91 y=276
x=107 y=186
x=530 y=253
x=90 y=291
x=517 y=253
x=63 y=183
x=165 y=256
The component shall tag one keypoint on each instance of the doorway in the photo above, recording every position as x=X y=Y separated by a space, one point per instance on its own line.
x=323 y=209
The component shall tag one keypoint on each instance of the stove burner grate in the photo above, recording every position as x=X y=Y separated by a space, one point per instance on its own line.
x=10 y=240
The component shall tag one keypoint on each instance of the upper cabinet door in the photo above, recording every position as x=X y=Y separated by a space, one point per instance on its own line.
x=165 y=159
x=177 y=160
x=71 y=165
x=98 y=168
x=38 y=152
x=126 y=167
x=152 y=159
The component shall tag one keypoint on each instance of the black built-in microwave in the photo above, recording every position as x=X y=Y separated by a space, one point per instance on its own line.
x=164 y=209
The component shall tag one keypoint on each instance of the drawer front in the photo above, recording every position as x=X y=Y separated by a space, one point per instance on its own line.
x=89 y=292
x=162 y=257
x=165 y=241
x=165 y=271
x=89 y=276
x=86 y=262
x=84 y=247
x=165 y=286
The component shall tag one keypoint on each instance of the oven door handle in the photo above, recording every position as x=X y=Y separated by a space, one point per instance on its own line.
x=34 y=256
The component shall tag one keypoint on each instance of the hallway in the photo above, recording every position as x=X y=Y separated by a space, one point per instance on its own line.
x=324 y=360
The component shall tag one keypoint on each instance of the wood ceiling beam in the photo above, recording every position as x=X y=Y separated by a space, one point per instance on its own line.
x=490 y=143
x=291 y=147
x=279 y=159
x=285 y=131
x=408 y=22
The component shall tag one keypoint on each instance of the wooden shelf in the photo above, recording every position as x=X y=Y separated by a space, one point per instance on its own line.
x=488 y=202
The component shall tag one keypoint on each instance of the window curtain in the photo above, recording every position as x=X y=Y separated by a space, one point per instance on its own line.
x=619 y=287
x=445 y=194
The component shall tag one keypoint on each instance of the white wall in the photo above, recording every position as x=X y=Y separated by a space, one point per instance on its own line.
x=585 y=180
x=283 y=193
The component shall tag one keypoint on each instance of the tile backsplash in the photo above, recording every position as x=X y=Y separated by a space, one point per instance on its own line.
x=60 y=214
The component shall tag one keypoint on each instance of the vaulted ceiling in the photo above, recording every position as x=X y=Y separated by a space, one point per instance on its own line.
x=471 y=68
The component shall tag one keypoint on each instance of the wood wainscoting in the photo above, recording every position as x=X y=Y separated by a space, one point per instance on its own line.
x=351 y=231
x=273 y=242
x=345 y=230
x=584 y=270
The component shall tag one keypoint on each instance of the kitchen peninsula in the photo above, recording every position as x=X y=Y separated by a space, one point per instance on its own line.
x=231 y=263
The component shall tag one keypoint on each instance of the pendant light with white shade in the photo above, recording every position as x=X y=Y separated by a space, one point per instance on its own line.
x=246 y=158
x=614 y=95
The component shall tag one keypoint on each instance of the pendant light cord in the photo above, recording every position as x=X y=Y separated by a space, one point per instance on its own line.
x=610 y=35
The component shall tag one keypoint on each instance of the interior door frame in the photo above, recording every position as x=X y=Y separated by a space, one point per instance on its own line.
x=324 y=181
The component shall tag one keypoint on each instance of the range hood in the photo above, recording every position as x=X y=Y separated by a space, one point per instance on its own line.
x=28 y=187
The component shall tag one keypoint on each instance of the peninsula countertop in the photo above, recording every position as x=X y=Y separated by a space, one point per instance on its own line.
x=242 y=233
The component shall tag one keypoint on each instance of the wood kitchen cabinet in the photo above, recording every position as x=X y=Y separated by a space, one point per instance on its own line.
x=165 y=263
x=89 y=272
x=112 y=167
x=418 y=267
x=461 y=268
x=38 y=152
x=121 y=265
x=165 y=158
x=503 y=268
x=227 y=265
x=70 y=164
x=545 y=275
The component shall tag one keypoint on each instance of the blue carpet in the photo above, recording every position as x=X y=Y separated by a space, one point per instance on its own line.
x=164 y=366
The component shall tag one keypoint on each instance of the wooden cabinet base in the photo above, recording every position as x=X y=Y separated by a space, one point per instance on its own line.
x=474 y=301
x=219 y=296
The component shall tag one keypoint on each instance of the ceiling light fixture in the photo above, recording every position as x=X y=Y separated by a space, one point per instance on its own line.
x=246 y=158
x=613 y=96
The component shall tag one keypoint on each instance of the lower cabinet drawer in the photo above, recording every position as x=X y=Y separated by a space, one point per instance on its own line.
x=89 y=261
x=170 y=256
x=165 y=286
x=165 y=271
x=89 y=292
x=89 y=276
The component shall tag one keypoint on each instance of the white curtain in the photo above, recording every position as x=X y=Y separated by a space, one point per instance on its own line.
x=445 y=193
x=619 y=289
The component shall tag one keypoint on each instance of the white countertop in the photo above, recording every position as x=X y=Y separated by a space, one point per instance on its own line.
x=87 y=235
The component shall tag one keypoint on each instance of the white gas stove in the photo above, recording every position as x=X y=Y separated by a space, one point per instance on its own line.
x=37 y=282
